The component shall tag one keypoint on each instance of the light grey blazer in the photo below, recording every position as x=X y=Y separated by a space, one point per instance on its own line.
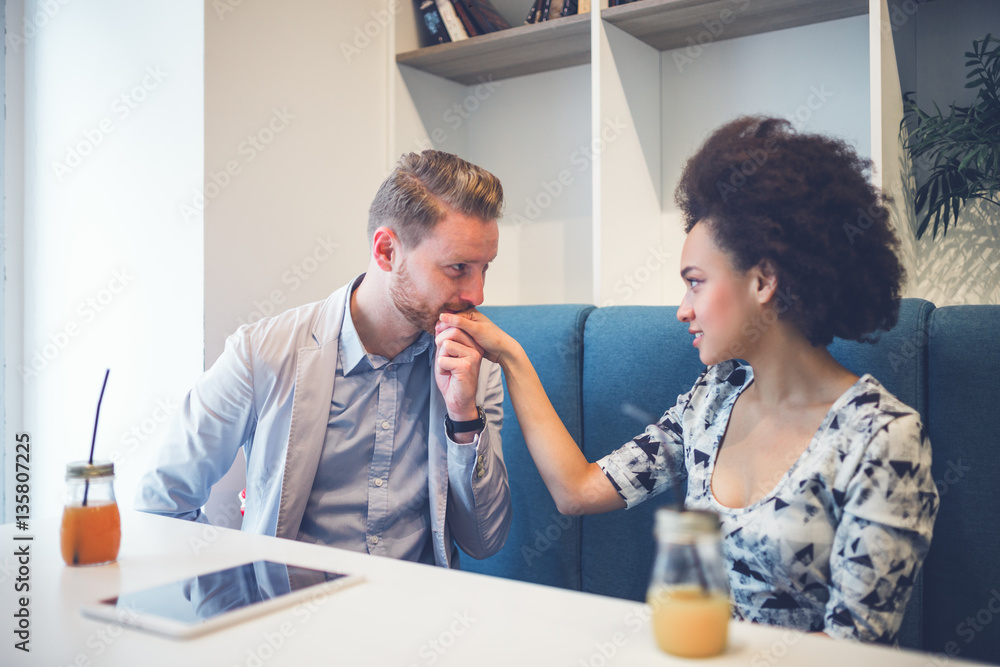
x=270 y=393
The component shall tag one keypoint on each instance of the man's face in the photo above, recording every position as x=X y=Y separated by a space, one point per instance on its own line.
x=446 y=271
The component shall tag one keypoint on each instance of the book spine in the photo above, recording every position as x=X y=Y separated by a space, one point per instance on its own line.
x=569 y=7
x=486 y=15
x=433 y=25
x=533 y=11
x=543 y=10
x=450 y=19
x=469 y=23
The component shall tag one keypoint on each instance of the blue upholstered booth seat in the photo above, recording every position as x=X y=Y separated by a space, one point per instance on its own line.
x=543 y=545
x=610 y=371
x=961 y=610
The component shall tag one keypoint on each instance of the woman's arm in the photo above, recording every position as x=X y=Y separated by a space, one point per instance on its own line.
x=890 y=503
x=578 y=487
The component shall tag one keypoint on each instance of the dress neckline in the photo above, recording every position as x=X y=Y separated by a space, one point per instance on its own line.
x=813 y=445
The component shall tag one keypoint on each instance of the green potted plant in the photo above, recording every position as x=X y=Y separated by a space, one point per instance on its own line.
x=957 y=155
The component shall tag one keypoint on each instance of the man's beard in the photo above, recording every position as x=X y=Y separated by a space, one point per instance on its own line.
x=404 y=297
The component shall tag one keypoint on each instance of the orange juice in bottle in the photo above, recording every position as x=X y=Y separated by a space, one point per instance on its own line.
x=689 y=590
x=91 y=527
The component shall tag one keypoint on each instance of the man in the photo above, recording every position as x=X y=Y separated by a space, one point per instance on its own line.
x=360 y=431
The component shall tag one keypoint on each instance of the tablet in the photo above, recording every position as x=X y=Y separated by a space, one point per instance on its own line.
x=196 y=605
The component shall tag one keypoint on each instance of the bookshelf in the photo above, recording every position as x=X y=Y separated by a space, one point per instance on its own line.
x=669 y=24
x=663 y=24
x=618 y=100
x=520 y=50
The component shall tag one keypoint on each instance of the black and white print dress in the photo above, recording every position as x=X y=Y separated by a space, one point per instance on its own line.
x=836 y=544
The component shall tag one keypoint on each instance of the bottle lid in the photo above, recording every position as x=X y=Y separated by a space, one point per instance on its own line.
x=670 y=520
x=85 y=470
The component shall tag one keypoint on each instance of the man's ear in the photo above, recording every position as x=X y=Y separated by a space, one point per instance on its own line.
x=385 y=248
x=765 y=281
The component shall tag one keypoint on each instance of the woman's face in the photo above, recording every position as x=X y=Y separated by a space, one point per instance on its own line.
x=719 y=306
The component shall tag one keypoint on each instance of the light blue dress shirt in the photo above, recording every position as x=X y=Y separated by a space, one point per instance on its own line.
x=370 y=491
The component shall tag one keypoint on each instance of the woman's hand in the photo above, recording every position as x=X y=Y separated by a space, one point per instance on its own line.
x=496 y=344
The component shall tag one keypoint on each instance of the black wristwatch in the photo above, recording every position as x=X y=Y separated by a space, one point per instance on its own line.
x=478 y=424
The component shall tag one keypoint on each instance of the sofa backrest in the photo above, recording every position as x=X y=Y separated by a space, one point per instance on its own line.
x=610 y=371
x=636 y=361
x=543 y=546
x=962 y=572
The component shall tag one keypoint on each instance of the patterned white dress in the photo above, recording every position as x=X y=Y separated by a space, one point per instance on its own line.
x=836 y=544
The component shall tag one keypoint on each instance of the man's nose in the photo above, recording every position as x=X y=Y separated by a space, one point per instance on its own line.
x=472 y=290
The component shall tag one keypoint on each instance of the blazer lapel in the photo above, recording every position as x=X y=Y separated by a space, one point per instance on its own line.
x=316 y=367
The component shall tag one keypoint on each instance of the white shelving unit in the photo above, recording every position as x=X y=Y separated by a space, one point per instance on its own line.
x=587 y=121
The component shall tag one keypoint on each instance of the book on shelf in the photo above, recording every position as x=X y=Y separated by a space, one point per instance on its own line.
x=431 y=24
x=451 y=21
x=539 y=11
x=485 y=14
x=569 y=8
x=470 y=25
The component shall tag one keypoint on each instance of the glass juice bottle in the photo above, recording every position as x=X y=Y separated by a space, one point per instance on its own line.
x=91 y=527
x=689 y=589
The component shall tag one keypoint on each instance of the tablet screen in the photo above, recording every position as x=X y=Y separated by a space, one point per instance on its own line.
x=198 y=599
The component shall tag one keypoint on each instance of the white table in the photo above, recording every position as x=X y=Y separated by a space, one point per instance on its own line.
x=404 y=614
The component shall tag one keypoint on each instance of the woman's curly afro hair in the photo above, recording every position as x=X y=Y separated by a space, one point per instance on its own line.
x=801 y=203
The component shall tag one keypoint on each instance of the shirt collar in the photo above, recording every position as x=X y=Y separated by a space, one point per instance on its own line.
x=353 y=355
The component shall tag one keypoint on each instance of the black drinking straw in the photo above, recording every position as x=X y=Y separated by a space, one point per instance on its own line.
x=93 y=440
x=679 y=505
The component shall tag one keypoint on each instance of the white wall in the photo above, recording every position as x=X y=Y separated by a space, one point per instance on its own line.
x=296 y=127
x=111 y=275
x=816 y=76
x=295 y=105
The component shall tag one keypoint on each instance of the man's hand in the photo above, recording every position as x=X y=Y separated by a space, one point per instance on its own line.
x=456 y=370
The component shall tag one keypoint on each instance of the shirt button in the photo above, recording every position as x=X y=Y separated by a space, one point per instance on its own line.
x=385 y=425
x=480 y=473
x=378 y=482
x=374 y=539
x=479 y=461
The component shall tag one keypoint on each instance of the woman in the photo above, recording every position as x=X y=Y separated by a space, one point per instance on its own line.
x=822 y=479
